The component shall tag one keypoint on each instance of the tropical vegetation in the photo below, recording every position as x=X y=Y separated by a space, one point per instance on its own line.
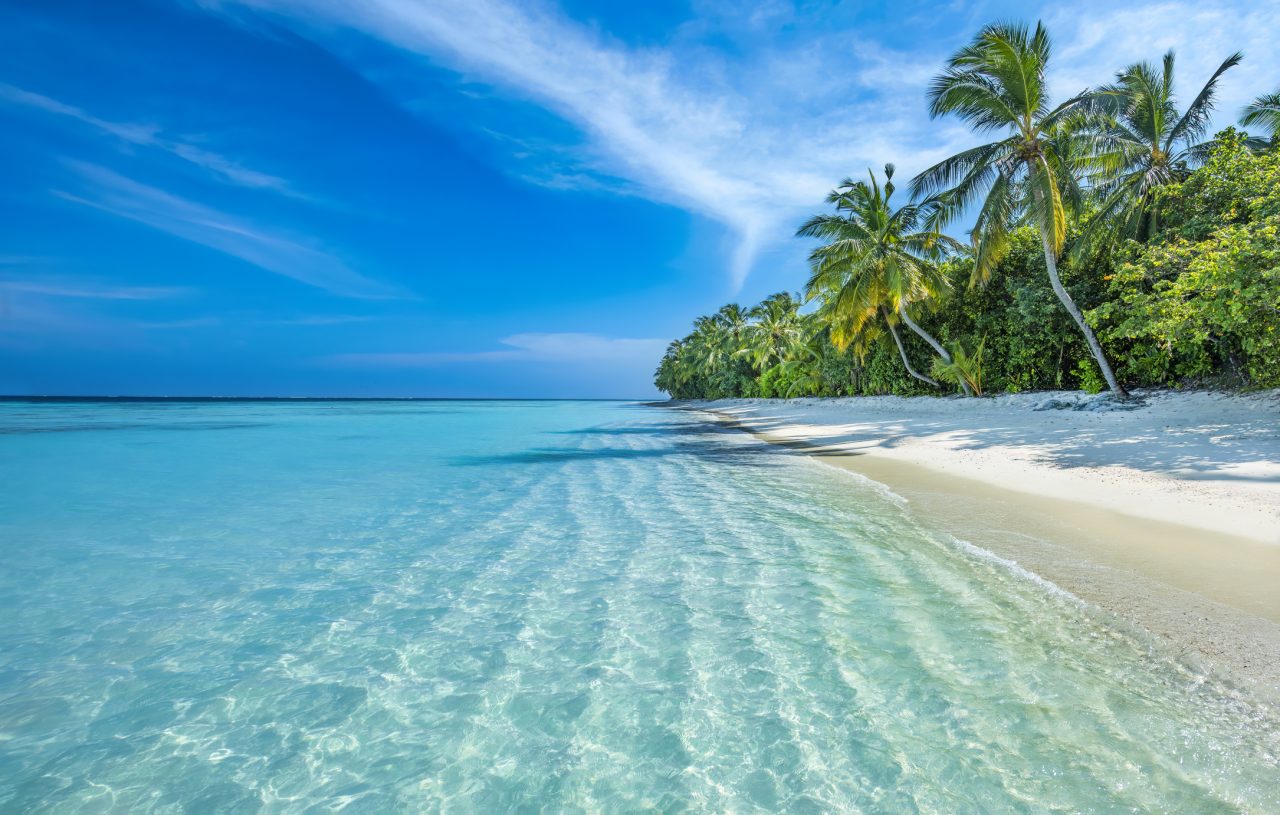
x=1113 y=242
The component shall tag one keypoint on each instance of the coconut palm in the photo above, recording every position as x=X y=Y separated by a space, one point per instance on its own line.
x=876 y=263
x=1264 y=112
x=1143 y=144
x=777 y=327
x=710 y=345
x=674 y=372
x=996 y=84
x=803 y=365
x=736 y=321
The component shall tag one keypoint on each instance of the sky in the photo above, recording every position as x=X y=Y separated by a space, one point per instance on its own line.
x=467 y=198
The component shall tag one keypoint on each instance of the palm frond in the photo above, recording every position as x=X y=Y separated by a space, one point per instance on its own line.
x=976 y=99
x=1195 y=122
x=1045 y=204
x=1263 y=112
x=948 y=173
x=992 y=228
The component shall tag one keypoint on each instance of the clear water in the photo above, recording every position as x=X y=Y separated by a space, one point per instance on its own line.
x=561 y=607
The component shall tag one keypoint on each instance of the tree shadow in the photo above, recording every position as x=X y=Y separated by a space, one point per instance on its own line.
x=719 y=453
x=674 y=429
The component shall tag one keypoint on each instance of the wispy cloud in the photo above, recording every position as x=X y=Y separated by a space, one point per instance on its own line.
x=565 y=347
x=111 y=192
x=750 y=146
x=754 y=139
x=145 y=135
x=1093 y=45
x=88 y=290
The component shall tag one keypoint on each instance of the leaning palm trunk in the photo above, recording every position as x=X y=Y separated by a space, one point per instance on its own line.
x=927 y=337
x=998 y=82
x=1095 y=348
x=902 y=351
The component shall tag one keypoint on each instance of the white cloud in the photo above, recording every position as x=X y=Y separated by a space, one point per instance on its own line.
x=1090 y=46
x=755 y=140
x=566 y=347
x=111 y=192
x=144 y=135
x=752 y=146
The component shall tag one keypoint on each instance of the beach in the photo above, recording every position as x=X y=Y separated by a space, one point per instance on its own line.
x=1164 y=510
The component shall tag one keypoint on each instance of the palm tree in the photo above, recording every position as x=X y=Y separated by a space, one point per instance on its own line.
x=804 y=358
x=736 y=321
x=710 y=345
x=777 y=328
x=673 y=371
x=997 y=84
x=1143 y=144
x=1264 y=112
x=876 y=263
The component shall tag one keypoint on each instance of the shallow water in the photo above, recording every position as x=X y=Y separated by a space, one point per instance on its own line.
x=556 y=606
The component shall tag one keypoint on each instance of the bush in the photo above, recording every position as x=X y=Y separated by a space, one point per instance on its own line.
x=1200 y=303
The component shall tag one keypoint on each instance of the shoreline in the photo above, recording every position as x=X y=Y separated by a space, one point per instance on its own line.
x=1207 y=590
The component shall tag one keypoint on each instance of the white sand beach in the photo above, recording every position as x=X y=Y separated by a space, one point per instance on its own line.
x=1206 y=460
x=1165 y=510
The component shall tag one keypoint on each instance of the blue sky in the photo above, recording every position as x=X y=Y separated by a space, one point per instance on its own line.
x=463 y=197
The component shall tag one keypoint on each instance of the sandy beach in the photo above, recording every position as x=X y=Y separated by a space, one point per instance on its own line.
x=1164 y=511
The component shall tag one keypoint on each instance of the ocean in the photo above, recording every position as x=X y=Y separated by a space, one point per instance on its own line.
x=548 y=606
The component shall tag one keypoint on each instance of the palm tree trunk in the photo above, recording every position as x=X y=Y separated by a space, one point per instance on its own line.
x=1051 y=263
x=927 y=337
x=903 y=352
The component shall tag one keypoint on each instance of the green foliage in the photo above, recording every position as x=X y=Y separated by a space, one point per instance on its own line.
x=1202 y=303
x=800 y=357
x=1198 y=304
x=1089 y=376
x=788 y=380
x=1030 y=342
x=1236 y=185
x=965 y=366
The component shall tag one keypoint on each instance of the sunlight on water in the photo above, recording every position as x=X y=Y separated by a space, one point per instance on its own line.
x=474 y=607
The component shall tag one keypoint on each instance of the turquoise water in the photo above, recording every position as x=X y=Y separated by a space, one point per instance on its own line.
x=546 y=606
